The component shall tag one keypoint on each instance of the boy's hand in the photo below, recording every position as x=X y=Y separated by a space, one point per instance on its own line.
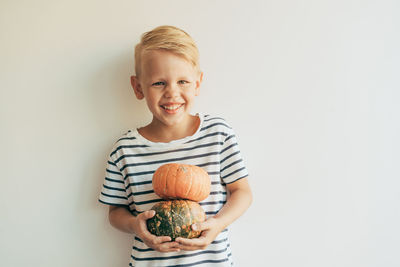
x=238 y=201
x=210 y=229
x=159 y=243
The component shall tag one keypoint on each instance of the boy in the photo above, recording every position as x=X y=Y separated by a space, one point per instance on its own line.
x=168 y=77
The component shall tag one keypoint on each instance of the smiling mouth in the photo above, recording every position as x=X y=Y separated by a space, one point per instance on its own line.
x=171 y=108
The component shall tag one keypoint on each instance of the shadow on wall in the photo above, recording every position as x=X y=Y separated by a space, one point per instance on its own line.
x=113 y=95
x=114 y=110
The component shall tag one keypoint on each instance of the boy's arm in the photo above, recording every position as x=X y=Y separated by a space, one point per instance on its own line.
x=238 y=201
x=123 y=220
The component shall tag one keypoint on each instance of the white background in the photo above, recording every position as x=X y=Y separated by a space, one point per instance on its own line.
x=311 y=88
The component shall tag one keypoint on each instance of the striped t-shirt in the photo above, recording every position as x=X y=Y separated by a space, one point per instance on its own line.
x=128 y=182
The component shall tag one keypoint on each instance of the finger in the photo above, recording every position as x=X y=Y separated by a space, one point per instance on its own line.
x=147 y=214
x=201 y=226
x=169 y=250
x=191 y=248
x=152 y=240
x=161 y=239
x=192 y=244
x=168 y=247
x=195 y=242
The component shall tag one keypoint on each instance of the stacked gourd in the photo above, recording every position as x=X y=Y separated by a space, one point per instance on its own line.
x=181 y=186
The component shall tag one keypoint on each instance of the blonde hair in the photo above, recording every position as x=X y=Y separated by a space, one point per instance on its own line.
x=167 y=38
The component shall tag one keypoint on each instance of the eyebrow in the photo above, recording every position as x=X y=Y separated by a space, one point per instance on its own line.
x=158 y=78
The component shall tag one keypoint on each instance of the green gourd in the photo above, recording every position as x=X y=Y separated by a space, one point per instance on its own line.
x=174 y=218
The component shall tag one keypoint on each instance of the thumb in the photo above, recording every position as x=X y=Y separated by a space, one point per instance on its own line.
x=200 y=226
x=148 y=214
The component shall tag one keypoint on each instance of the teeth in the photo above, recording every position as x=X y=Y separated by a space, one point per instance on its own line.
x=171 y=107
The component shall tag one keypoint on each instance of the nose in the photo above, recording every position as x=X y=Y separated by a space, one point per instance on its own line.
x=171 y=90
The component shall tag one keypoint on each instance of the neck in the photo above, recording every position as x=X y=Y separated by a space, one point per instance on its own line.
x=157 y=132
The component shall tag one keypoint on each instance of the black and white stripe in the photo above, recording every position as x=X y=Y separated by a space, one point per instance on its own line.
x=128 y=182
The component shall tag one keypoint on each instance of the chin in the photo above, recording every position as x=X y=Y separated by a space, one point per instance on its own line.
x=174 y=119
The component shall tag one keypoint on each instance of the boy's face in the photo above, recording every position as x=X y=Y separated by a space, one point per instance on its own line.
x=169 y=83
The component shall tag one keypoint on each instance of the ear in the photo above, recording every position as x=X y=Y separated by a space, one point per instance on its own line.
x=137 y=87
x=198 y=83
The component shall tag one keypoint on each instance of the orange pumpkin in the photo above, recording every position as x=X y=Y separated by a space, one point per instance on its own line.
x=183 y=181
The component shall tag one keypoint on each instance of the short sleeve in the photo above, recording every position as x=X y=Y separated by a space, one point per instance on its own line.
x=232 y=164
x=113 y=191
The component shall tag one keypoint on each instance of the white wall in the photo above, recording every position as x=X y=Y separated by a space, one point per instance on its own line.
x=311 y=88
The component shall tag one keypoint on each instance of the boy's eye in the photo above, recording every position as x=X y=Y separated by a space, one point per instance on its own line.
x=183 y=82
x=158 y=84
